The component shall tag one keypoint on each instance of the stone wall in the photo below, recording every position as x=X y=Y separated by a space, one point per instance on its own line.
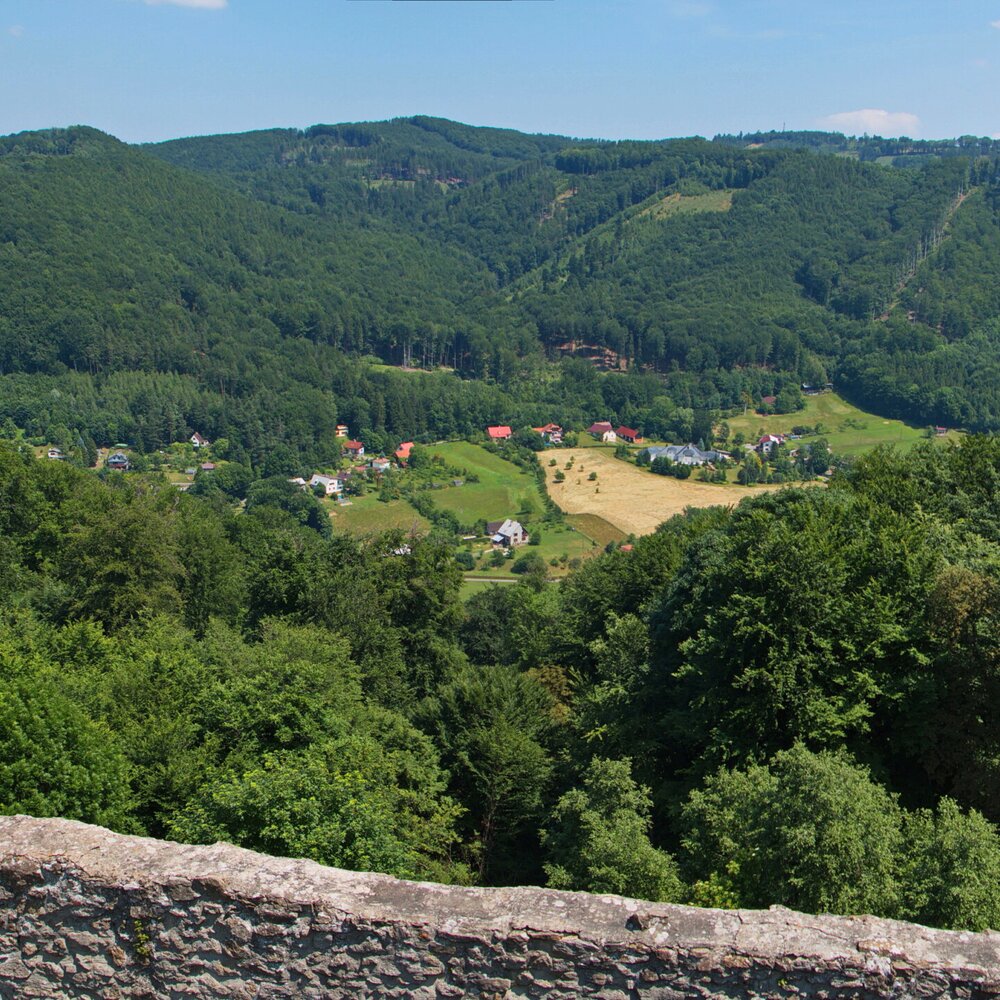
x=89 y=913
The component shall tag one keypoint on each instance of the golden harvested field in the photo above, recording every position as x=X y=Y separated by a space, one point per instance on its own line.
x=632 y=499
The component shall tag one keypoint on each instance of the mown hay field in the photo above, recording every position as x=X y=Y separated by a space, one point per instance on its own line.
x=634 y=500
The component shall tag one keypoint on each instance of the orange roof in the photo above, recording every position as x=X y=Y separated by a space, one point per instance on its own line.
x=353 y=445
x=403 y=451
x=501 y=431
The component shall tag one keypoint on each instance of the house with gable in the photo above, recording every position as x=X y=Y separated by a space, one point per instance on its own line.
x=118 y=460
x=501 y=432
x=768 y=443
x=507 y=534
x=354 y=449
x=603 y=431
x=684 y=454
x=332 y=485
x=550 y=433
x=629 y=434
x=197 y=441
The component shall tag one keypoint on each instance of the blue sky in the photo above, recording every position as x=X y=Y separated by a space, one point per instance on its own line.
x=156 y=69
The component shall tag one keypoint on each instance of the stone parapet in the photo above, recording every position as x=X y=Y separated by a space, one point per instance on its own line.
x=89 y=913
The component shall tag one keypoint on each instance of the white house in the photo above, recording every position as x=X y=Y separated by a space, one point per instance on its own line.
x=685 y=454
x=603 y=431
x=198 y=441
x=507 y=533
x=331 y=484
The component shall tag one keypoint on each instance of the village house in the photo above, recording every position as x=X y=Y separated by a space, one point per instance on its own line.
x=603 y=431
x=197 y=441
x=499 y=433
x=295 y=481
x=551 y=433
x=629 y=434
x=119 y=461
x=207 y=466
x=354 y=449
x=332 y=485
x=769 y=442
x=342 y=431
x=815 y=390
x=56 y=454
x=507 y=533
x=403 y=452
x=684 y=454
x=381 y=464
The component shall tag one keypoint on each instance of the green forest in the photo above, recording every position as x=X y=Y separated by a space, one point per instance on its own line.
x=262 y=287
x=793 y=701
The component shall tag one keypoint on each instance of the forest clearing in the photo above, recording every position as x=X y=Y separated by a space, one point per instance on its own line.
x=848 y=430
x=632 y=499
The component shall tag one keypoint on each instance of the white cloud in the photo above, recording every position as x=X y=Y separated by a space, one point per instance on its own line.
x=201 y=4
x=15 y=30
x=874 y=121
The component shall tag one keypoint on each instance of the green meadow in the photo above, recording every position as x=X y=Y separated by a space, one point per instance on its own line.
x=503 y=490
x=366 y=515
x=848 y=430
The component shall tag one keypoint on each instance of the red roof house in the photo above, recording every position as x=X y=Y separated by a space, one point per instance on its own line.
x=354 y=448
x=602 y=430
x=499 y=433
x=403 y=452
x=550 y=432
x=629 y=434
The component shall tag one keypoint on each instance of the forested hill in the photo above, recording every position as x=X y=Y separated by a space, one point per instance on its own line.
x=683 y=255
x=229 y=281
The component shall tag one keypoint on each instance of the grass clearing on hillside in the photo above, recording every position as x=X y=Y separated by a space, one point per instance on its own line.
x=631 y=499
x=596 y=528
x=501 y=491
x=678 y=204
x=848 y=430
x=368 y=514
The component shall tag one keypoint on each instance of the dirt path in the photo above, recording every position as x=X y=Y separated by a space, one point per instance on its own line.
x=632 y=499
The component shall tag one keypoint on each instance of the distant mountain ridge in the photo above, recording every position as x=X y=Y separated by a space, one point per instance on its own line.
x=726 y=266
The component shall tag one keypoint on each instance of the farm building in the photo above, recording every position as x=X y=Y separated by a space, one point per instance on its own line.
x=551 y=433
x=629 y=434
x=603 y=431
x=507 y=533
x=685 y=454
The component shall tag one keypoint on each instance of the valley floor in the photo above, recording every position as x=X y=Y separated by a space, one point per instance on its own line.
x=632 y=499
